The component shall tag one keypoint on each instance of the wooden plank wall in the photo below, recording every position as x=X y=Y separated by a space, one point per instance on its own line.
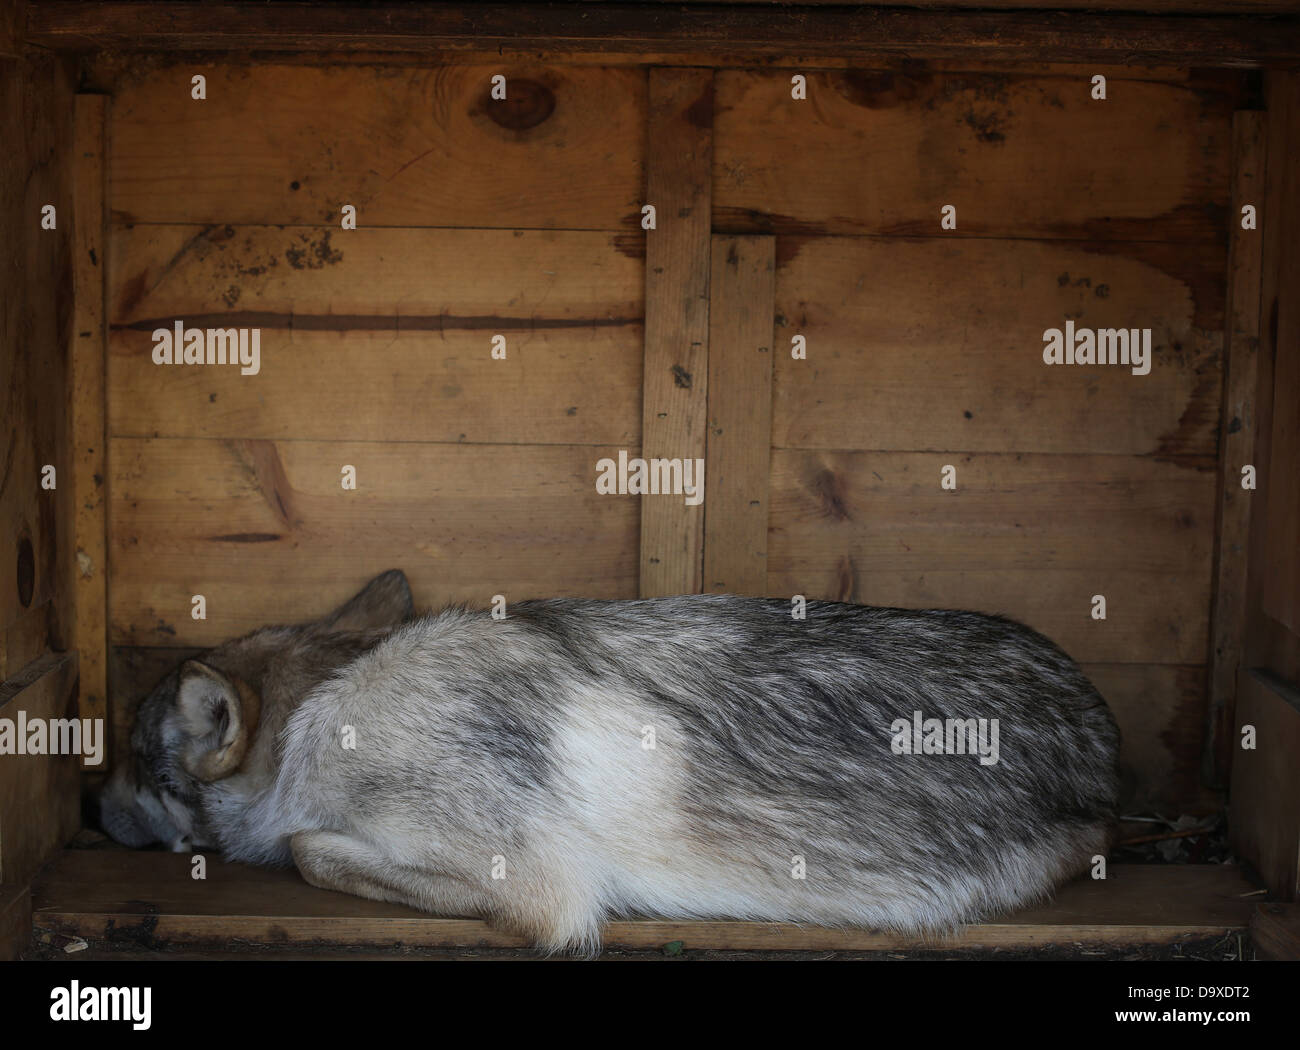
x=476 y=218
x=35 y=325
x=1264 y=826
x=679 y=152
x=86 y=547
x=924 y=351
x=523 y=218
x=38 y=794
x=1239 y=422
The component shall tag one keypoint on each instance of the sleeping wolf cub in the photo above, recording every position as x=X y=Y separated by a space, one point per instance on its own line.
x=697 y=756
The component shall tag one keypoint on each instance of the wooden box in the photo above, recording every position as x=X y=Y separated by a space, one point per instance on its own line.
x=864 y=225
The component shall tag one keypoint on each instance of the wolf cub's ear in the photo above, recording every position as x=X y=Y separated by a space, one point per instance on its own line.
x=384 y=602
x=217 y=715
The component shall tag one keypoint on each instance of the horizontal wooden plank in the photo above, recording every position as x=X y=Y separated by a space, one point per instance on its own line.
x=1033 y=537
x=150 y=900
x=40 y=801
x=702 y=31
x=579 y=387
x=400 y=321
x=883 y=151
x=265 y=531
x=406 y=147
x=377 y=279
x=107 y=71
x=933 y=344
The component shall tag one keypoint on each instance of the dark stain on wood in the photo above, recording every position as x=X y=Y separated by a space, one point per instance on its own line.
x=631 y=245
x=1193 y=266
x=1184 y=734
x=1200 y=413
x=751 y=220
x=137 y=935
x=246 y=537
x=316 y=255
x=1221 y=91
x=989 y=127
x=700 y=112
x=787 y=249
x=881 y=90
x=828 y=487
x=682 y=377
x=1194 y=226
x=26 y=576
x=527 y=104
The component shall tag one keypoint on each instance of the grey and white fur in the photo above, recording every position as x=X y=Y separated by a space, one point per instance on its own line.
x=503 y=768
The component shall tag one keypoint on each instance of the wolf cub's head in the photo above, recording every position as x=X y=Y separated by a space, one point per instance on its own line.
x=199 y=723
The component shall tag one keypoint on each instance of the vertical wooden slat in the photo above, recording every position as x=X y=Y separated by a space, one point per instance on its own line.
x=742 y=305
x=678 y=176
x=88 y=561
x=1280 y=595
x=1263 y=822
x=1269 y=642
x=1237 y=429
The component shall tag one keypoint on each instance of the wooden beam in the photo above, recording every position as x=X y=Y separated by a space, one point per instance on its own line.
x=35 y=293
x=1264 y=820
x=679 y=160
x=742 y=304
x=149 y=900
x=1237 y=439
x=88 y=560
x=699 y=30
x=40 y=801
x=1269 y=643
x=1280 y=593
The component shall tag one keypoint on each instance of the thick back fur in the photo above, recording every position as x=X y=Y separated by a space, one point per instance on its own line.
x=703 y=756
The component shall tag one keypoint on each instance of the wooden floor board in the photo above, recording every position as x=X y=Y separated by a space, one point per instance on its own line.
x=149 y=900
